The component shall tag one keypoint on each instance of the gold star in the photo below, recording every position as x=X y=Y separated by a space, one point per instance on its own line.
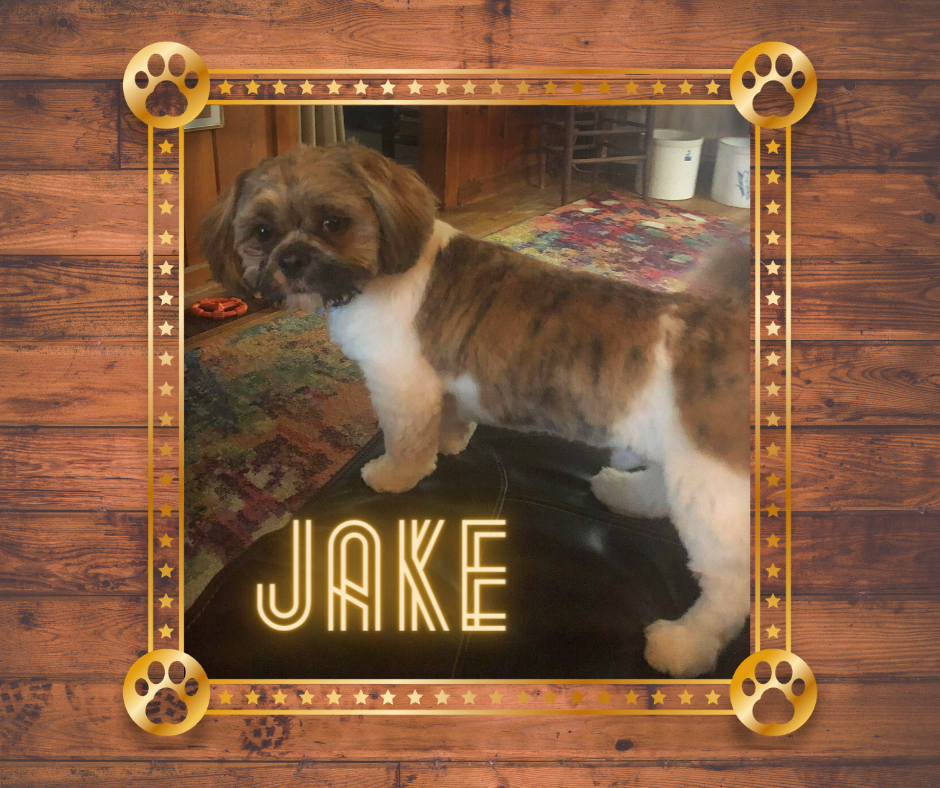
x=773 y=147
x=165 y=359
x=166 y=601
x=165 y=207
x=772 y=328
x=773 y=177
x=686 y=698
x=772 y=267
x=165 y=480
x=631 y=697
x=166 y=176
x=165 y=631
x=773 y=449
x=387 y=697
x=772 y=238
x=550 y=696
x=360 y=697
x=658 y=87
x=225 y=87
x=166 y=299
x=604 y=697
x=469 y=698
x=279 y=87
x=441 y=87
x=166 y=540
x=280 y=697
x=772 y=207
x=225 y=697
x=166 y=419
x=306 y=88
x=523 y=87
x=773 y=298
x=387 y=87
x=468 y=87
x=166 y=570
x=442 y=697
x=165 y=329
x=415 y=87
x=496 y=697
x=685 y=87
x=713 y=697
x=772 y=631
x=334 y=697
x=253 y=87
x=773 y=540
x=252 y=697
x=605 y=88
x=165 y=268
x=415 y=697
x=772 y=420
x=772 y=510
x=659 y=698
x=166 y=146
x=306 y=697
x=773 y=600
x=523 y=697
x=772 y=389
x=166 y=509
x=496 y=87
x=773 y=480
x=772 y=359
x=577 y=87
x=550 y=88
x=165 y=237
x=712 y=87
x=333 y=88
x=631 y=87
x=773 y=571
x=360 y=87
x=577 y=697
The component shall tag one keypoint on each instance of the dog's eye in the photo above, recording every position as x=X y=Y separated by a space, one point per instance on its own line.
x=335 y=224
x=263 y=233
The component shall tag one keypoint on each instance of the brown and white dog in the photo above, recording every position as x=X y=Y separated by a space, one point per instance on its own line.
x=450 y=331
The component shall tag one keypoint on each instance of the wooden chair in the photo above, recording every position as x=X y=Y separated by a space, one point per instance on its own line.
x=597 y=130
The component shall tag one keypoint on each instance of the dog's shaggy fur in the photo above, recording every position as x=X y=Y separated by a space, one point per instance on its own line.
x=450 y=331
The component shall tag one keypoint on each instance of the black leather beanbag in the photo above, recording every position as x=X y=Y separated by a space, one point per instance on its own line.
x=581 y=581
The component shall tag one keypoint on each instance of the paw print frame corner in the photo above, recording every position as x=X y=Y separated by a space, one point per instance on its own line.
x=772 y=503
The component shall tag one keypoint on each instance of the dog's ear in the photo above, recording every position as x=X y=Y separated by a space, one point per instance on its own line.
x=404 y=205
x=216 y=236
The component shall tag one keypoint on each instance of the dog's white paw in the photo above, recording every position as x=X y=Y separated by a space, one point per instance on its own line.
x=633 y=493
x=383 y=474
x=680 y=649
x=455 y=441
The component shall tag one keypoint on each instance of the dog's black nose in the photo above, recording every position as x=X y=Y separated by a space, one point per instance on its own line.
x=294 y=259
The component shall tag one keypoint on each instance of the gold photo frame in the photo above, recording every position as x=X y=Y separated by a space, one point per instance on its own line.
x=772 y=238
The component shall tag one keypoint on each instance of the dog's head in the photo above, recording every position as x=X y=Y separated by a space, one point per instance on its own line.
x=316 y=224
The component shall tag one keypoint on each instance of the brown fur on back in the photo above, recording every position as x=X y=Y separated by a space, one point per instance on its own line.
x=565 y=352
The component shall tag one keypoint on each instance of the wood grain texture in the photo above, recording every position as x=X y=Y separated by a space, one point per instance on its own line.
x=872 y=719
x=809 y=773
x=99 y=212
x=73 y=553
x=847 y=636
x=873 y=39
x=180 y=774
x=68 y=126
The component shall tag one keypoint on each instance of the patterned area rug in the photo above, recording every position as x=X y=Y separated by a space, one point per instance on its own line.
x=275 y=410
x=617 y=234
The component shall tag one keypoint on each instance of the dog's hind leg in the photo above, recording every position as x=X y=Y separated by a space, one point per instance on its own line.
x=710 y=508
x=455 y=433
x=637 y=493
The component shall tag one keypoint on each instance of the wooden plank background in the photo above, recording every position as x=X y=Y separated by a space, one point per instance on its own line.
x=866 y=394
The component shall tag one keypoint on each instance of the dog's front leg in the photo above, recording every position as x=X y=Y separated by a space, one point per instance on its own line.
x=408 y=403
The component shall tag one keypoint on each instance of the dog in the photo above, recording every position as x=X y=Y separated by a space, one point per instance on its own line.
x=450 y=331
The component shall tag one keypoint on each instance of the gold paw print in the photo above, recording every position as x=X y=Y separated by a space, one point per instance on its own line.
x=787 y=673
x=788 y=66
x=175 y=64
x=166 y=669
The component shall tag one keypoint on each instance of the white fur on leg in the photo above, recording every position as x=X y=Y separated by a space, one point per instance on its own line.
x=633 y=493
x=455 y=432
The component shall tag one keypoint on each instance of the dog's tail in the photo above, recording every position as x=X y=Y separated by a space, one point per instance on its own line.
x=724 y=273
